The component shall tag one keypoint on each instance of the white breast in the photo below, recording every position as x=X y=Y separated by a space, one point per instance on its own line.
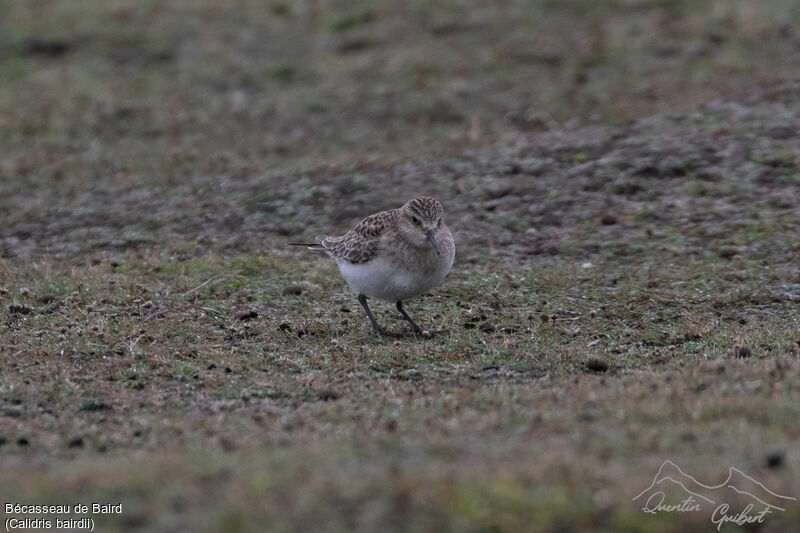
x=390 y=279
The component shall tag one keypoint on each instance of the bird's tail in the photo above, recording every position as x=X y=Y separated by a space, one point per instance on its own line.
x=310 y=245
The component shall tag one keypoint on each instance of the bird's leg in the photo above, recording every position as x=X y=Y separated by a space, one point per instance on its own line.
x=363 y=301
x=414 y=326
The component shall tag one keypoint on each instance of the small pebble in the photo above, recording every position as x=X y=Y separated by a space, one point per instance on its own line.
x=247 y=315
x=292 y=290
x=597 y=365
x=774 y=459
x=328 y=395
x=15 y=309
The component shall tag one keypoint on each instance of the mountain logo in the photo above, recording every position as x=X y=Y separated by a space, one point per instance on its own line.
x=739 y=499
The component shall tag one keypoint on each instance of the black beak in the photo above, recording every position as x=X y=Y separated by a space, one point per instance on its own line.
x=432 y=239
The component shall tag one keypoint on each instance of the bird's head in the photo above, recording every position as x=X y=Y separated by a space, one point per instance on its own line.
x=420 y=220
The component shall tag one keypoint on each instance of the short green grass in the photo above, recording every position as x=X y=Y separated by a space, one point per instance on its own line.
x=621 y=179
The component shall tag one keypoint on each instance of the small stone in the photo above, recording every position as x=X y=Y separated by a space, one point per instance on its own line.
x=426 y=334
x=596 y=364
x=292 y=290
x=16 y=309
x=36 y=46
x=774 y=459
x=247 y=315
x=328 y=395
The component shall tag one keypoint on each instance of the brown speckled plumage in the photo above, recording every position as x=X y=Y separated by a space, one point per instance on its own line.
x=361 y=243
x=425 y=207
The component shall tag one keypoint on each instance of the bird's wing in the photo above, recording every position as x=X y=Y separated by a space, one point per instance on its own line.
x=361 y=243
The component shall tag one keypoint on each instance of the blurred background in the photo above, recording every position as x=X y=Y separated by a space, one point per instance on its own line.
x=108 y=95
x=142 y=87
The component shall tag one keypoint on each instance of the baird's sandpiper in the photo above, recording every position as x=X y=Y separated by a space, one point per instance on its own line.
x=393 y=255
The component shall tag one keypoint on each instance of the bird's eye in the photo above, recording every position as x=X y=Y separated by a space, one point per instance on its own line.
x=439 y=222
x=415 y=220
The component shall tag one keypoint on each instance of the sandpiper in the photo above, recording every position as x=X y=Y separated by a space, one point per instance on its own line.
x=393 y=255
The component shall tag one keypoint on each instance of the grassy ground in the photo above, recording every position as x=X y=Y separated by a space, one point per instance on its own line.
x=621 y=179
